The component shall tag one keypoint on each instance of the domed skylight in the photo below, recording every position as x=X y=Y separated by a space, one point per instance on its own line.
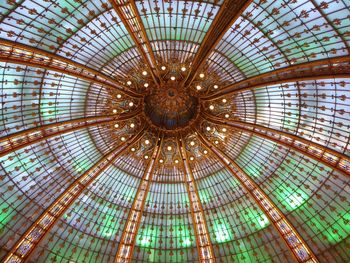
x=175 y=131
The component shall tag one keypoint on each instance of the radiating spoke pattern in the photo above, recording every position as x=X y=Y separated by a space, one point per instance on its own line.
x=175 y=131
x=323 y=154
x=22 y=139
x=287 y=231
x=33 y=235
x=127 y=242
x=227 y=15
x=204 y=244
x=130 y=17
x=12 y=52
x=338 y=67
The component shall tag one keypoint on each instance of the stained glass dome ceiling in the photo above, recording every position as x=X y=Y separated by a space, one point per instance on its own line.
x=175 y=131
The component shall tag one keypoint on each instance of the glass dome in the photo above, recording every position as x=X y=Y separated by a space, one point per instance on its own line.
x=175 y=131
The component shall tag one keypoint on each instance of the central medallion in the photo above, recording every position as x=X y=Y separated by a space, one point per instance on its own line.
x=171 y=106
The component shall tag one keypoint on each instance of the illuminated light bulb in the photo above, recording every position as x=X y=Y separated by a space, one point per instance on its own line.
x=208 y=128
x=119 y=96
x=224 y=100
x=131 y=104
x=146 y=157
x=169 y=148
x=176 y=161
x=227 y=115
x=224 y=129
x=144 y=73
x=172 y=78
x=133 y=149
x=205 y=151
x=146 y=85
x=129 y=82
x=161 y=161
x=183 y=69
x=198 y=87
x=116 y=125
x=122 y=138
x=147 y=142
x=191 y=158
x=114 y=111
x=211 y=107
x=132 y=125
x=192 y=143
x=201 y=75
x=163 y=67
x=216 y=86
x=216 y=142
